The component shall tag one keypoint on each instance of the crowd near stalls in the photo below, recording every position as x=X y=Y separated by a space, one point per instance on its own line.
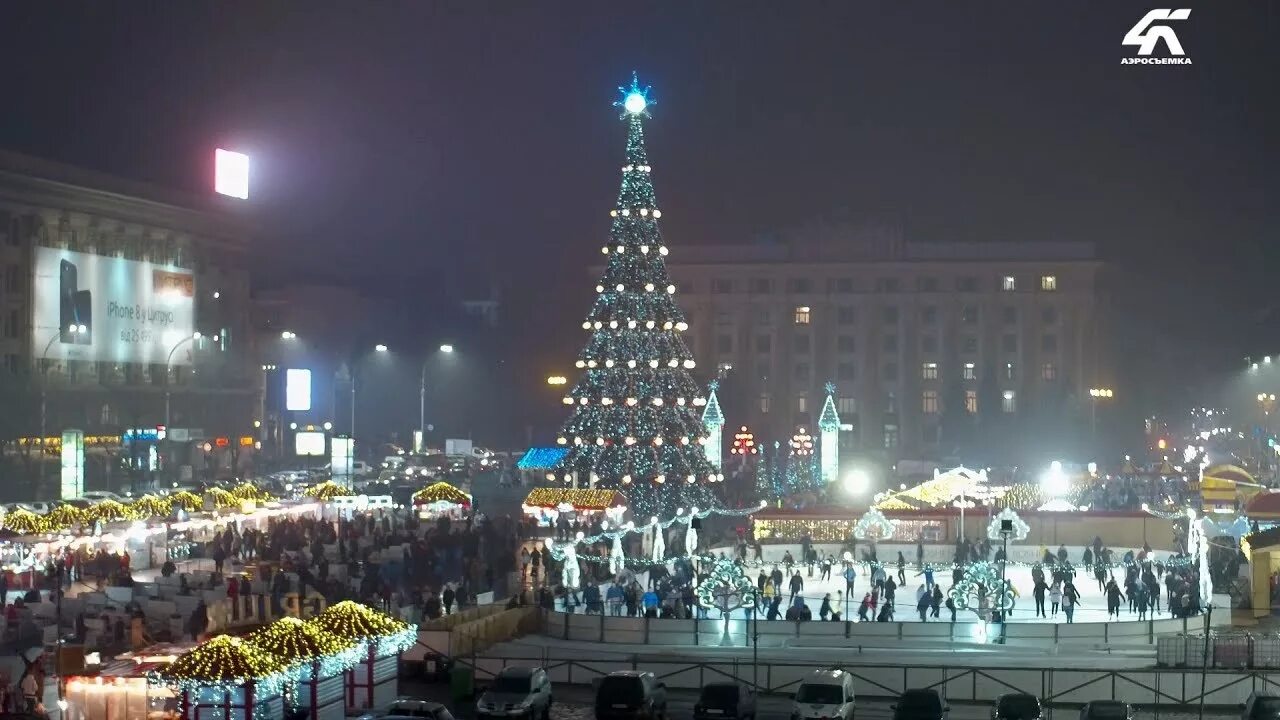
x=254 y=563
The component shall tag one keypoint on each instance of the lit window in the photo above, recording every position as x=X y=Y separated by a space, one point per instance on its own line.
x=929 y=371
x=1009 y=283
x=971 y=401
x=847 y=406
x=970 y=372
x=890 y=436
x=1049 y=371
x=802 y=315
x=929 y=402
x=1009 y=401
x=764 y=403
x=802 y=403
x=1048 y=283
x=1009 y=374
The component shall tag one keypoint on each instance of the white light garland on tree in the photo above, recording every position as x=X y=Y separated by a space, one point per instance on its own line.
x=1020 y=528
x=874 y=520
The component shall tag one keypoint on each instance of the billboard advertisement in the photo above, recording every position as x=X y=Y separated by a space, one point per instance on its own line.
x=308 y=443
x=297 y=390
x=108 y=309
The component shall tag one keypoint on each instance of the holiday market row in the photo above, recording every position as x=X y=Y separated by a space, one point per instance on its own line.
x=343 y=660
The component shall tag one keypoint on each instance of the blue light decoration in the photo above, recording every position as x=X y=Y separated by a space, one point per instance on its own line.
x=635 y=420
x=635 y=99
x=829 y=437
x=541 y=458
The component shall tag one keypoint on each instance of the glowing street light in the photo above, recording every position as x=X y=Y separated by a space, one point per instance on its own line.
x=857 y=481
x=380 y=348
x=557 y=380
x=1054 y=481
x=288 y=335
x=446 y=348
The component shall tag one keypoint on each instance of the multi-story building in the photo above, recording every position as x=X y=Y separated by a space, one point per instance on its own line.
x=122 y=306
x=925 y=341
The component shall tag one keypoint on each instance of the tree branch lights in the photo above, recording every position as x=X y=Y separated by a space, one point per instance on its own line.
x=384 y=634
x=634 y=421
x=713 y=423
x=1020 y=527
x=829 y=437
x=980 y=586
x=875 y=525
x=727 y=588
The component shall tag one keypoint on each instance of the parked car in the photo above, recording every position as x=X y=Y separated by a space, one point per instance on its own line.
x=824 y=694
x=517 y=692
x=39 y=507
x=1016 y=706
x=725 y=700
x=631 y=695
x=1106 y=710
x=97 y=496
x=406 y=709
x=1261 y=706
x=920 y=704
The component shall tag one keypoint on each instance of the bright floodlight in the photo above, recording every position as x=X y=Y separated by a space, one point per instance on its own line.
x=1054 y=482
x=231 y=174
x=446 y=348
x=634 y=103
x=196 y=335
x=856 y=481
x=379 y=348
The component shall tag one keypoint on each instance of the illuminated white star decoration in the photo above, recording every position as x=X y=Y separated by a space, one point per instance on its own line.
x=635 y=99
x=829 y=437
x=1020 y=528
x=875 y=525
x=713 y=421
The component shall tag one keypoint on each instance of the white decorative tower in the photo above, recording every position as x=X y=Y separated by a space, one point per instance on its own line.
x=713 y=421
x=829 y=437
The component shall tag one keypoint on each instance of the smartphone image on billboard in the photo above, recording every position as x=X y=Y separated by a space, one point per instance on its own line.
x=84 y=317
x=67 y=324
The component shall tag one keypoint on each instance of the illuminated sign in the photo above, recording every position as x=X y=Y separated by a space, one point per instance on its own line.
x=297 y=389
x=308 y=443
x=108 y=309
x=246 y=441
x=231 y=174
x=72 y=464
x=341 y=455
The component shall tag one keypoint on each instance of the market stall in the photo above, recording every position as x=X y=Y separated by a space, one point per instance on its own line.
x=547 y=504
x=319 y=659
x=441 y=499
x=121 y=690
x=226 y=678
x=372 y=682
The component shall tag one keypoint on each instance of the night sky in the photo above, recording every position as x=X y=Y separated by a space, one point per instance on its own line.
x=402 y=141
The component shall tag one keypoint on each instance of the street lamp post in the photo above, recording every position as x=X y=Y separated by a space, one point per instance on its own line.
x=44 y=384
x=355 y=359
x=422 y=396
x=169 y=359
x=1096 y=394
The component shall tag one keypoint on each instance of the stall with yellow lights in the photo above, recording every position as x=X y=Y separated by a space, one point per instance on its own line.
x=372 y=682
x=439 y=499
x=227 y=678
x=547 y=504
x=320 y=660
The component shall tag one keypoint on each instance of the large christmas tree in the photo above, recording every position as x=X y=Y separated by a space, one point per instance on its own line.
x=636 y=422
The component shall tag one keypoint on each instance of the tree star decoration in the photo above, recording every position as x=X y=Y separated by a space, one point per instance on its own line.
x=727 y=588
x=875 y=525
x=1020 y=528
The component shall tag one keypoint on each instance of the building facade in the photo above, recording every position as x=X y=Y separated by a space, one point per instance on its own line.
x=122 y=307
x=931 y=345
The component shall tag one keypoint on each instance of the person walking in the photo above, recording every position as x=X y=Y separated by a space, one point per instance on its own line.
x=850 y=575
x=1114 y=598
x=920 y=553
x=1070 y=598
x=826 y=568
x=935 y=600
x=890 y=590
x=1055 y=597
x=922 y=606
x=1038 y=593
x=825 y=610
x=902 y=569
x=864 y=607
x=951 y=607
